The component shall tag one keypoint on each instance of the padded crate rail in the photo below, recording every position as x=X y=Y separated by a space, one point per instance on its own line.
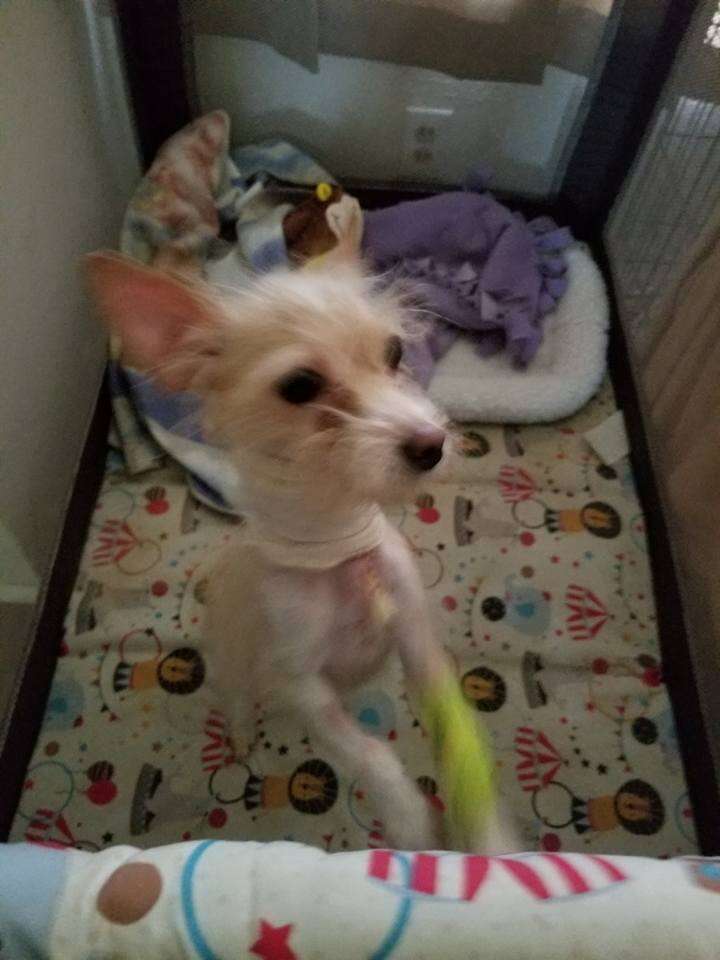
x=285 y=901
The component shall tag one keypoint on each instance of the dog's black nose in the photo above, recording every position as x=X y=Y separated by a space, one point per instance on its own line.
x=424 y=449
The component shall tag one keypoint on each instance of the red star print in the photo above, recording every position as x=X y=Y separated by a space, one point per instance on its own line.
x=272 y=944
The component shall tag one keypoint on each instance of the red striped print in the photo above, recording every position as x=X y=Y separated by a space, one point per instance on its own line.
x=380 y=864
x=476 y=870
x=611 y=871
x=570 y=874
x=424 y=873
x=527 y=878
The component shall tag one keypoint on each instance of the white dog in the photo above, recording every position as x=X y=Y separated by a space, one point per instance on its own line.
x=301 y=382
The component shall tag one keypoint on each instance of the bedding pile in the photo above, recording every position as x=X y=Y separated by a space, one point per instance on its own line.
x=511 y=319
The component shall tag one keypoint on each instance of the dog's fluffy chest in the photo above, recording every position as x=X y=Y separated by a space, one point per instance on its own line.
x=360 y=636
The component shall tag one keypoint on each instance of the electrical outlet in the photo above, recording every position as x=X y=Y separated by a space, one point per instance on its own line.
x=426 y=141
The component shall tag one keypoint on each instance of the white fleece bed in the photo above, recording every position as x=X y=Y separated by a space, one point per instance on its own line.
x=564 y=374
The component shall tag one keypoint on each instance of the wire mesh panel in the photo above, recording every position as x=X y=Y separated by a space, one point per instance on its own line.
x=674 y=189
x=664 y=244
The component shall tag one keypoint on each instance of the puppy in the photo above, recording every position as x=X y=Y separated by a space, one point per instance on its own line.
x=301 y=381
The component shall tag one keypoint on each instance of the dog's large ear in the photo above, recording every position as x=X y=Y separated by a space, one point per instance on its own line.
x=168 y=328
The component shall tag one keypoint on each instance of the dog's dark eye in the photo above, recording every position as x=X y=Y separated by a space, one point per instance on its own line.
x=301 y=386
x=393 y=352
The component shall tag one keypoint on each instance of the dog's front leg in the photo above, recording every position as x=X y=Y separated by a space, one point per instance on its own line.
x=235 y=698
x=287 y=619
x=406 y=816
x=424 y=661
x=302 y=617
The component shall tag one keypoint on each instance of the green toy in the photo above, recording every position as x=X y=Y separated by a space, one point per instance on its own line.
x=462 y=748
x=464 y=755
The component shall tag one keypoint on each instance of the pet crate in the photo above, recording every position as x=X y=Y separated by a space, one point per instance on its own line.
x=604 y=115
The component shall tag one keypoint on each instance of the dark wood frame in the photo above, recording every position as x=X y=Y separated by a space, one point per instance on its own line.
x=28 y=709
x=156 y=54
x=640 y=59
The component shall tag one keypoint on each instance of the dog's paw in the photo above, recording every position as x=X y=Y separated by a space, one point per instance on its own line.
x=238 y=740
x=412 y=825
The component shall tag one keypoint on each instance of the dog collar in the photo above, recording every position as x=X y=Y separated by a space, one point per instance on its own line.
x=334 y=548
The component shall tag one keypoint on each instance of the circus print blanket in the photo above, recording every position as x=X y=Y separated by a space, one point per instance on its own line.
x=534 y=560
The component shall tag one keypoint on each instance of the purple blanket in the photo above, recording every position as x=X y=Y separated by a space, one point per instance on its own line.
x=476 y=266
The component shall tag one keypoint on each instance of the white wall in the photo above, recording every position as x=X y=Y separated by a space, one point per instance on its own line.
x=352 y=114
x=67 y=164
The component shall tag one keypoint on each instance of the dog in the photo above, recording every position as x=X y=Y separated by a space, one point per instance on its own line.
x=302 y=383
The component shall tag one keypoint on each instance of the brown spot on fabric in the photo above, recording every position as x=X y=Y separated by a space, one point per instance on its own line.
x=130 y=893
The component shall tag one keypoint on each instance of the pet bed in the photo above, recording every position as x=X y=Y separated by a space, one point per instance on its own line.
x=214 y=900
x=535 y=564
x=564 y=374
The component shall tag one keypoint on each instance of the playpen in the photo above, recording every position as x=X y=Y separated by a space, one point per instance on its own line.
x=576 y=587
